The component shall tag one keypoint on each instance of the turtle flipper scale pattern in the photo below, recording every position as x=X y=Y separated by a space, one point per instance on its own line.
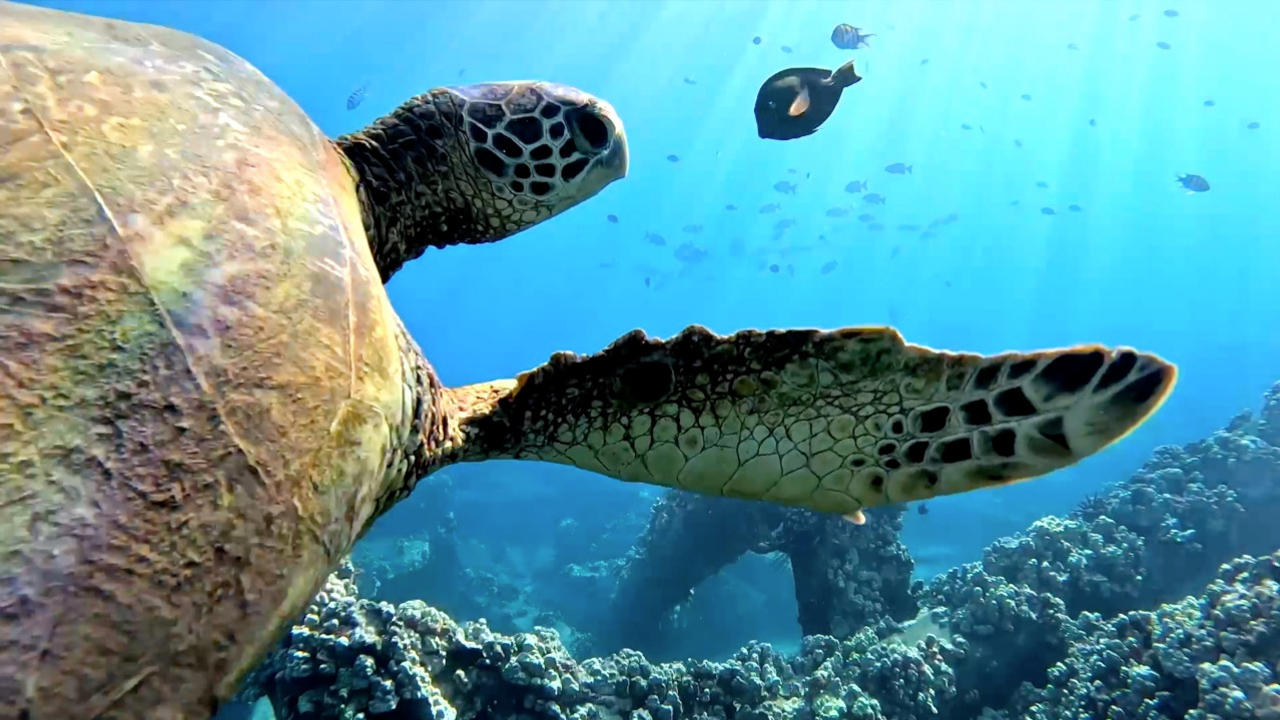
x=831 y=420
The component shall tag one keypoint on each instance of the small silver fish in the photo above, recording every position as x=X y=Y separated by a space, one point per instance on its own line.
x=848 y=37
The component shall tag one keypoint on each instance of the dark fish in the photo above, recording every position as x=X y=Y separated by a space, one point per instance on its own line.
x=792 y=103
x=774 y=268
x=1074 y=208
x=611 y=218
x=1163 y=45
x=983 y=83
x=689 y=81
x=693 y=229
x=1017 y=142
x=646 y=281
x=655 y=238
x=848 y=37
x=783 y=224
x=837 y=212
x=1134 y=17
x=786 y=49
x=730 y=206
x=1254 y=125
x=756 y=40
x=924 y=61
x=828 y=266
x=1193 y=183
x=1026 y=96
x=922 y=509
x=966 y=126
x=769 y=208
x=1209 y=103
x=357 y=96
x=1042 y=184
x=898 y=169
x=1072 y=46
x=1047 y=211
x=1093 y=122
x=784 y=187
x=875 y=226
x=866 y=217
x=673 y=158
x=856 y=186
x=873 y=198
x=1171 y=13
x=908 y=227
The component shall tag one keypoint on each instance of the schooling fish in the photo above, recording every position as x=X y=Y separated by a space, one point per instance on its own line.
x=792 y=103
x=848 y=37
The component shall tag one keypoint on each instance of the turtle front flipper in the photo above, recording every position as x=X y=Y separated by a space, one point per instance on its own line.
x=831 y=420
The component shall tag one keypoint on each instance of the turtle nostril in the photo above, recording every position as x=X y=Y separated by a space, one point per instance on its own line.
x=589 y=128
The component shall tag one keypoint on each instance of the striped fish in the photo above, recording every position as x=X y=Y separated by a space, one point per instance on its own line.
x=848 y=37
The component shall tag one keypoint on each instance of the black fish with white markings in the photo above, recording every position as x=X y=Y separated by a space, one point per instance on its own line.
x=794 y=102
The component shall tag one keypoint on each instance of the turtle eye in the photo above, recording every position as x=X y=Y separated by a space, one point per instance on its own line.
x=590 y=131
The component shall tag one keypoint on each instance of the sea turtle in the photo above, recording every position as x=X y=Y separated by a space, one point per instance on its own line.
x=206 y=397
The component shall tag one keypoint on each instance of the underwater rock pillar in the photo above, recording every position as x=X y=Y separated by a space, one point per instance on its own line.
x=848 y=576
x=689 y=538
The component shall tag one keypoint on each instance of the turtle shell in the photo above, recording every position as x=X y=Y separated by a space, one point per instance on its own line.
x=203 y=386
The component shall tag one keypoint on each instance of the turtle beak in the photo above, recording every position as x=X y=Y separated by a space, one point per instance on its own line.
x=616 y=158
x=612 y=159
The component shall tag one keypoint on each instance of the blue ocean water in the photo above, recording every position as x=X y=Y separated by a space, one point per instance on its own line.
x=1112 y=118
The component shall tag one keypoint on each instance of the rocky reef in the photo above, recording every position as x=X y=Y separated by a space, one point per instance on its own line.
x=1159 y=599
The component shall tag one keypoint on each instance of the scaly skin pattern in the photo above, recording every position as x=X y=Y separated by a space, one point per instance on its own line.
x=830 y=420
x=203 y=387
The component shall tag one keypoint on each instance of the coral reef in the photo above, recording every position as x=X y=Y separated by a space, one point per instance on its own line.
x=1211 y=657
x=351 y=658
x=1206 y=658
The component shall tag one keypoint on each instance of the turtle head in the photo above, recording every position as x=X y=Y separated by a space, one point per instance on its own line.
x=477 y=163
x=541 y=146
